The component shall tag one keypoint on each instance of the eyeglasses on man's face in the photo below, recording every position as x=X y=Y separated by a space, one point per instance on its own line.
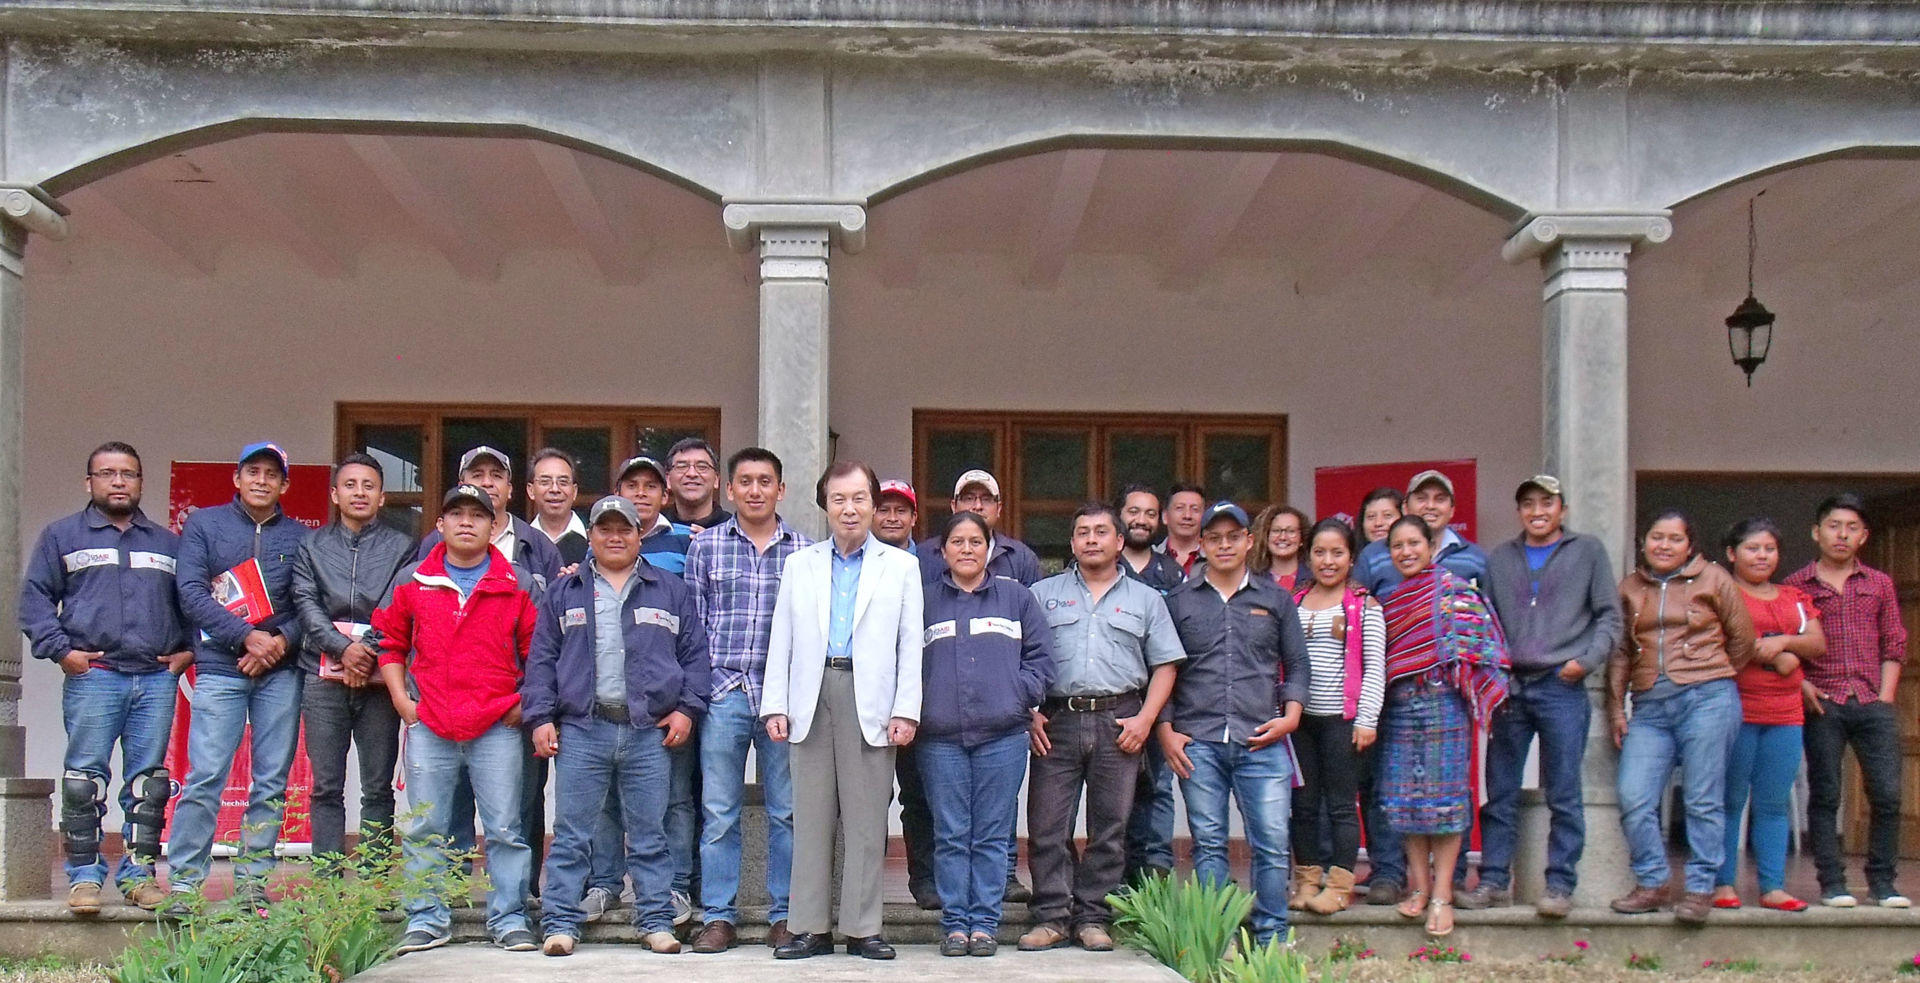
x=108 y=474
x=695 y=467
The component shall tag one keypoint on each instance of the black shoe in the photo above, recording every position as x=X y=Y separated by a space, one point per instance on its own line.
x=805 y=944
x=1384 y=891
x=924 y=896
x=982 y=945
x=518 y=940
x=420 y=941
x=1017 y=893
x=871 y=947
x=954 y=945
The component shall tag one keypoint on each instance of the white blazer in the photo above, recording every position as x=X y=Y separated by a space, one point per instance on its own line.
x=886 y=639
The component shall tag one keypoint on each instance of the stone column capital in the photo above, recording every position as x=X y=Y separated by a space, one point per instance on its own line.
x=1543 y=232
x=845 y=222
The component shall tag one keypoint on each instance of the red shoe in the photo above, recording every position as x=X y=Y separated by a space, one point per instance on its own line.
x=1726 y=903
x=1791 y=904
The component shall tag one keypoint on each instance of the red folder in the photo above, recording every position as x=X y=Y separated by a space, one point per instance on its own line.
x=243 y=591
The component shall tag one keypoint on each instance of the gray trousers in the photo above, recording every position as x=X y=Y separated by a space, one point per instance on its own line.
x=839 y=782
x=1070 y=887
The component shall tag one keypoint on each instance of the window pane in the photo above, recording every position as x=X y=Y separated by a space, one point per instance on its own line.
x=1150 y=458
x=398 y=448
x=655 y=442
x=1053 y=465
x=405 y=518
x=507 y=434
x=1050 y=534
x=592 y=447
x=1237 y=467
x=951 y=453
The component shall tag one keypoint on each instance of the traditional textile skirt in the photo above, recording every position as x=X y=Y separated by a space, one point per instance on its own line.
x=1427 y=739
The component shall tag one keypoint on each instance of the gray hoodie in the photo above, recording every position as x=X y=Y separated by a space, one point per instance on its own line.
x=1571 y=613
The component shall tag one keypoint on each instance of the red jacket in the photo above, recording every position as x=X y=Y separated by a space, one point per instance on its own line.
x=468 y=657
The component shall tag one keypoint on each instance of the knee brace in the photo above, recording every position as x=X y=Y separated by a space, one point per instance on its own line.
x=81 y=798
x=151 y=790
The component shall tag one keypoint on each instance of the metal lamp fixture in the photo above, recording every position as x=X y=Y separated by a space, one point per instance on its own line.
x=1750 y=326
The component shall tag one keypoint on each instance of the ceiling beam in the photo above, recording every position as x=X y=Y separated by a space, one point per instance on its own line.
x=249 y=173
x=614 y=254
x=1203 y=237
x=157 y=213
x=1051 y=238
x=447 y=224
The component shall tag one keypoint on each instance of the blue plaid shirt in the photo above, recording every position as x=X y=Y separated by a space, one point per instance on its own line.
x=734 y=587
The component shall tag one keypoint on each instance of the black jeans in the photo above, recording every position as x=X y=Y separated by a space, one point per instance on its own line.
x=1873 y=731
x=1386 y=853
x=1330 y=773
x=335 y=715
x=916 y=823
x=1070 y=889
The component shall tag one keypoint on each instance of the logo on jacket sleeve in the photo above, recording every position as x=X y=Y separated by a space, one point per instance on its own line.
x=936 y=632
x=657 y=616
x=79 y=560
x=994 y=626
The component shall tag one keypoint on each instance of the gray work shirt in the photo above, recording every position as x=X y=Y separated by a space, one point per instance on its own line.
x=1109 y=647
x=609 y=645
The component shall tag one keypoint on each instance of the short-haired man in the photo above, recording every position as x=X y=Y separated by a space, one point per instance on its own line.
x=1429 y=496
x=1186 y=504
x=553 y=488
x=617 y=676
x=1140 y=529
x=734 y=570
x=843 y=686
x=342 y=573
x=1150 y=831
x=979 y=492
x=1235 y=700
x=664 y=542
x=1852 y=701
x=693 y=472
x=453 y=644
x=1555 y=593
x=84 y=574
x=893 y=521
x=1114 y=652
x=248 y=670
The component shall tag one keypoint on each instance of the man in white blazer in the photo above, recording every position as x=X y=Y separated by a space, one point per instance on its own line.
x=843 y=685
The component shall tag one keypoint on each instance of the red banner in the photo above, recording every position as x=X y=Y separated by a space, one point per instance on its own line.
x=1337 y=491
x=208 y=484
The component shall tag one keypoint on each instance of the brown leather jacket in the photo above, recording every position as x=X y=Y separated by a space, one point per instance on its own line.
x=1695 y=627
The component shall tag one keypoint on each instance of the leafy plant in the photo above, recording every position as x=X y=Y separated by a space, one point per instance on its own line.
x=1732 y=965
x=1643 y=961
x=1575 y=958
x=1912 y=966
x=1274 y=962
x=1435 y=954
x=1350 y=948
x=1185 y=924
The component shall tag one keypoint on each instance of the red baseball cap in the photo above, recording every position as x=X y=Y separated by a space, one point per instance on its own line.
x=894 y=486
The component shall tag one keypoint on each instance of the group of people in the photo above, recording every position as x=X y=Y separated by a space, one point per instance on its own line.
x=1313 y=676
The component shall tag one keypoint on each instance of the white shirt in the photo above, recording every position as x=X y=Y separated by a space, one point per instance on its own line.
x=573 y=525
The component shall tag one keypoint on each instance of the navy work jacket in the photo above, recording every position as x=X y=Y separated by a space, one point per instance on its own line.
x=987 y=662
x=216 y=540
x=667 y=665
x=94 y=588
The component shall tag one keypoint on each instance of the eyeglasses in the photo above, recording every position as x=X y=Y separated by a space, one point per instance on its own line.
x=976 y=499
x=697 y=467
x=108 y=474
x=553 y=481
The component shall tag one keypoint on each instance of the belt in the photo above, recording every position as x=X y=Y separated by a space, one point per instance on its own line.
x=836 y=663
x=615 y=712
x=1087 y=704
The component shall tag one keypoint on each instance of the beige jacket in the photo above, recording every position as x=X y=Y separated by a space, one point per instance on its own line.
x=1694 y=627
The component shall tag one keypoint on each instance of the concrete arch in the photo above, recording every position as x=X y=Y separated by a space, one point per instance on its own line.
x=1856 y=152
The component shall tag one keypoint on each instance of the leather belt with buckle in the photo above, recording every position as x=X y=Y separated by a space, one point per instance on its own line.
x=1088 y=704
x=614 y=712
x=840 y=664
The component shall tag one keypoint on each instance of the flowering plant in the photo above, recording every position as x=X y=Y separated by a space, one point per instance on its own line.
x=1435 y=954
x=1350 y=948
x=1912 y=966
x=1574 y=958
x=1732 y=965
x=1646 y=961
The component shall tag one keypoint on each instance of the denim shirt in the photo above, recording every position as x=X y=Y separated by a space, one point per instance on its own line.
x=609 y=644
x=846 y=588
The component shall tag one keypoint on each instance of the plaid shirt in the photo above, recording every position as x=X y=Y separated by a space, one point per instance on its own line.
x=734 y=587
x=1863 y=630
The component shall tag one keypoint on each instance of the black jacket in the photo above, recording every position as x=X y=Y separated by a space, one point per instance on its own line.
x=339 y=576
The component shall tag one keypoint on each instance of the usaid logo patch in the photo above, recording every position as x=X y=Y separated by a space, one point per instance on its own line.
x=945 y=629
x=79 y=560
x=573 y=618
x=657 y=616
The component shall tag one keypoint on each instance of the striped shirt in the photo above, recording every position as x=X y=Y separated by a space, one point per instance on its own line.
x=1327 y=648
x=734 y=588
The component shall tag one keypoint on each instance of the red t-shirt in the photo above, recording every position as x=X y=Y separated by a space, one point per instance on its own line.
x=1766 y=697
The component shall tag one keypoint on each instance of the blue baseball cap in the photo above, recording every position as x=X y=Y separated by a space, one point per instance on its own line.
x=265 y=448
x=1225 y=510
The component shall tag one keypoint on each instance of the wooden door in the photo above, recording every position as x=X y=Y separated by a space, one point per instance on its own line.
x=1894 y=547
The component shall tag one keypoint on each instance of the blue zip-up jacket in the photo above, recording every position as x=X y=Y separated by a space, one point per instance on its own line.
x=987 y=662
x=1462 y=558
x=94 y=588
x=668 y=667
x=216 y=540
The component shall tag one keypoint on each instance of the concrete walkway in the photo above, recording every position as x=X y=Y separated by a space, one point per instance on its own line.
x=476 y=963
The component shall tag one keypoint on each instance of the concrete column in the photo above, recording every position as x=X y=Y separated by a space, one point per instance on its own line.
x=26 y=817
x=794 y=239
x=1584 y=443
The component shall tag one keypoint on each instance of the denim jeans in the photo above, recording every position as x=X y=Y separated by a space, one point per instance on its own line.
x=337 y=715
x=102 y=708
x=1693 y=729
x=610 y=858
x=492 y=763
x=1386 y=852
x=223 y=707
x=599 y=761
x=975 y=796
x=533 y=811
x=1765 y=761
x=1150 y=828
x=1873 y=731
x=729 y=729
x=1261 y=781
x=916 y=822
x=1559 y=713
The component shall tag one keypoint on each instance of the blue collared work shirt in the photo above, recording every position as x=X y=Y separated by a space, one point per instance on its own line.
x=846 y=587
x=1108 y=647
x=609 y=645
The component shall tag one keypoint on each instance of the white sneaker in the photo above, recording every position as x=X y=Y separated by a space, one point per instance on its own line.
x=682 y=908
x=1893 y=901
x=598 y=901
x=1841 y=900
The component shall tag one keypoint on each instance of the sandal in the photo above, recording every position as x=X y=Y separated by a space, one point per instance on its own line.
x=1413 y=897
x=1434 y=908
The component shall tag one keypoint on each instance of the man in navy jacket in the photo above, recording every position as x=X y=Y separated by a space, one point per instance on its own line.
x=98 y=601
x=617 y=675
x=249 y=670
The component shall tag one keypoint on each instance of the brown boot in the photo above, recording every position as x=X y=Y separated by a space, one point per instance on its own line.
x=1306 y=885
x=83 y=898
x=715 y=936
x=1641 y=901
x=1338 y=892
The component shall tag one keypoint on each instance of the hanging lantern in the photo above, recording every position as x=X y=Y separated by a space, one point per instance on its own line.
x=1750 y=326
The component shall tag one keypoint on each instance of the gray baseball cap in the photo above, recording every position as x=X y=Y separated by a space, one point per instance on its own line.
x=613 y=505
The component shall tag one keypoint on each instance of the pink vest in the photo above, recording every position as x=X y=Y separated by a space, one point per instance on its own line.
x=1353 y=604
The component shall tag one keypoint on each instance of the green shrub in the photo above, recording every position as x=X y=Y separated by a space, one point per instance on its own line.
x=1186 y=924
x=1275 y=962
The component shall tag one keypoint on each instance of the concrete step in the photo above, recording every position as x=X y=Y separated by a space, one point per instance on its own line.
x=923 y=964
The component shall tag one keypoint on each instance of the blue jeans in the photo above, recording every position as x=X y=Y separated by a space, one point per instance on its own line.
x=609 y=857
x=1559 y=712
x=492 y=763
x=1150 y=828
x=729 y=729
x=223 y=706
x=1694 y=729
x=1386 y=852
x=600 y=761
x=1765 y=761
x=1262 y=783
x=102 y=708
x=974 y=793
